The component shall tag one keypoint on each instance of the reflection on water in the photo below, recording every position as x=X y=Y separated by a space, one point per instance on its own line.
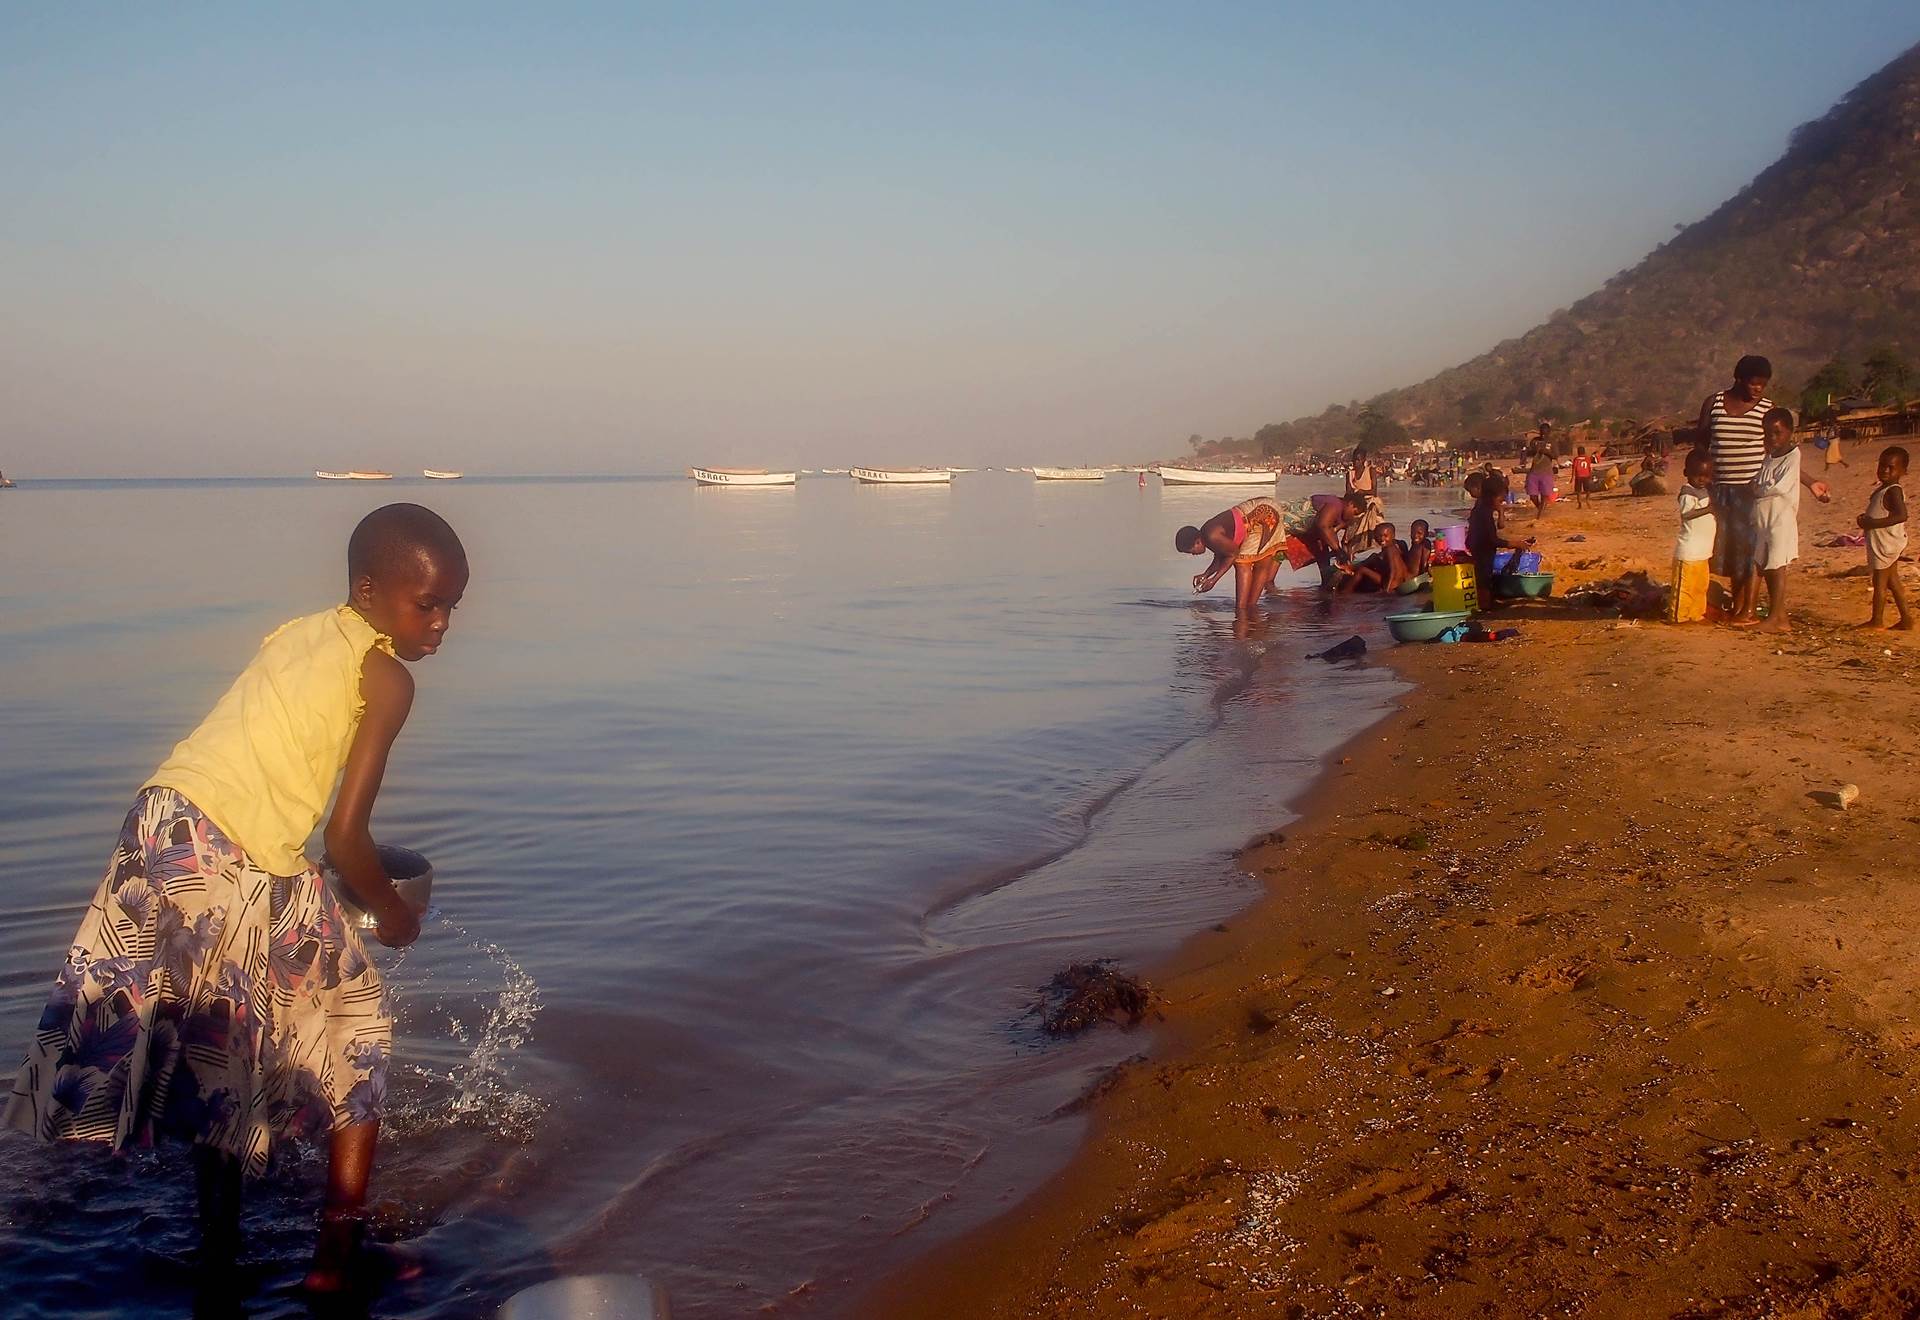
x=758 y=816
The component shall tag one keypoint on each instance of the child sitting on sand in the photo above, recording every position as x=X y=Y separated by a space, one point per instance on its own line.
x=1885 y=523
x=216 y=992
x=1384 y=570
x=1419 y=547
x=1484 y=540
x=1693 y=551
x=1776 y=514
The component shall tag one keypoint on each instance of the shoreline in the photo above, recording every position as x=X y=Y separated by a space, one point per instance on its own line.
x=1483 y=1046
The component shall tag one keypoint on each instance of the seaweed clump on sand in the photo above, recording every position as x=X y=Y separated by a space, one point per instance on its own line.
x=1086 y=994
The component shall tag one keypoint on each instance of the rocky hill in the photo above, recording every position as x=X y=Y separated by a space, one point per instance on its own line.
x=1817 y=258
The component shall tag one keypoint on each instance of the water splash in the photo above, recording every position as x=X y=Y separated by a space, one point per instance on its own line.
x=479 y=1090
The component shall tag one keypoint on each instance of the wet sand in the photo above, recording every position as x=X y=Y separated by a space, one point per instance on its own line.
x=1574 y=991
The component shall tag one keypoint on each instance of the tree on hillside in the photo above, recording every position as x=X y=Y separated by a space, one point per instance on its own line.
x=1194 y=443
x=1825 y=388
x=1276 y=438
x=1885 y=376
x=1376 y=430
x=1476 y=408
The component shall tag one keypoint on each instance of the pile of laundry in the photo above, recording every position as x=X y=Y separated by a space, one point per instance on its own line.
x=1631 y=596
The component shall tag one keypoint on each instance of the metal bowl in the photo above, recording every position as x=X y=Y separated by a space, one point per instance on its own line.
x=412 y=876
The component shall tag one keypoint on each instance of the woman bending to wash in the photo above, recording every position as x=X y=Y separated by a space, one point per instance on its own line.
x=1250 y=537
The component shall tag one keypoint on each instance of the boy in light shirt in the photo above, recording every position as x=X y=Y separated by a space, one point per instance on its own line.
x=1687 y=602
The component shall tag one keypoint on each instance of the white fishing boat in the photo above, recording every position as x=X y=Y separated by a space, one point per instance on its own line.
x=740 y=477
x=355 y=475
x=1183 y=476
x=439 y=475
x=1069 y=474
x=902 y=476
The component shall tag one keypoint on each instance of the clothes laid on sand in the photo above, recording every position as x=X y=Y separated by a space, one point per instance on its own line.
x=1776 y=511
x=263 y=763
x=1258 y=529
x=1885 y=545
x=1687 y=599
x=205 y=999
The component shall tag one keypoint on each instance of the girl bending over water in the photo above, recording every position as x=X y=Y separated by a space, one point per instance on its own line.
x=216 y=992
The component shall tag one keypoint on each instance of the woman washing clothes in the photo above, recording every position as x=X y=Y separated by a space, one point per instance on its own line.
x=1250 y=536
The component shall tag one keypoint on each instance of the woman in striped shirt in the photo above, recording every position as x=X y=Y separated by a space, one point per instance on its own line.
x=1730 y=426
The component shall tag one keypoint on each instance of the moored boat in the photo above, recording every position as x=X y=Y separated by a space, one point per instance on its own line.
x=439 y=475
x=357 y=474
x=740 y=477
x=1182 y=476
x=902 y=476
x=1069 y=474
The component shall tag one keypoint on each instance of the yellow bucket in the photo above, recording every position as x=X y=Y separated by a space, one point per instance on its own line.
x=1453 y=588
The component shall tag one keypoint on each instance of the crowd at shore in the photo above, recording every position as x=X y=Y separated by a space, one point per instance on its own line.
x=1739 y=517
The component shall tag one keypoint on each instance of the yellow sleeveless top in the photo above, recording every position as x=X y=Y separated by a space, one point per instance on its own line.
x=264 y=763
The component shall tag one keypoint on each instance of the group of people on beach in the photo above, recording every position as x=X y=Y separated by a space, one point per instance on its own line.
x=1739 y=517
x=1740 y=510
x=1346 y=535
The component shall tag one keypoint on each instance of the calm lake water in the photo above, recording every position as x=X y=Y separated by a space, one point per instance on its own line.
x=759 y=817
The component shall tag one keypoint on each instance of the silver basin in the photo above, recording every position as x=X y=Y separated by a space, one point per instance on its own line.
x=412 y=876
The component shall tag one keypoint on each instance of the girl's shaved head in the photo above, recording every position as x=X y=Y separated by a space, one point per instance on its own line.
x=395 y=538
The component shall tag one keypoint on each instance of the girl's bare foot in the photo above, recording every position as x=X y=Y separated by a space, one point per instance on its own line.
x=1872 y=623
x=345 y=1262
x=1776 y=623
x=1905 y=624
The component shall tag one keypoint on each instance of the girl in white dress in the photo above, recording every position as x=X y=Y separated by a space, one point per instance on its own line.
x=1776 y=513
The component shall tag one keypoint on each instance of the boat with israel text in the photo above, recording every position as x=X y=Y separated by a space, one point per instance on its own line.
x=741 y=477
x=902 y=476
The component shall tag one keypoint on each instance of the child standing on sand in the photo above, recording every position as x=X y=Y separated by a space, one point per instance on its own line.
x=1484 y=540
x=1693 y=551
x=1776 y=514
x=1582 y=475
x=216 y=992
x=1885 y=523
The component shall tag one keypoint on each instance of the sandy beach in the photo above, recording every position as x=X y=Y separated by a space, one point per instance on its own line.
x=1575 y=991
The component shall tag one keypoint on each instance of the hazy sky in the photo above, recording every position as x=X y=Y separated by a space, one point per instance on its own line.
x=618 y=238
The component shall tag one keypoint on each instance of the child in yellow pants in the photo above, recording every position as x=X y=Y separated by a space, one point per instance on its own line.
x=1687 y=601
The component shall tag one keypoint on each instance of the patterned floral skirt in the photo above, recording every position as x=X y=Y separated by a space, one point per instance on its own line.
x=206 y=1000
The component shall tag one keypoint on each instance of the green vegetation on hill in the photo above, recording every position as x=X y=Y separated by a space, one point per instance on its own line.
x=1817 y=261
